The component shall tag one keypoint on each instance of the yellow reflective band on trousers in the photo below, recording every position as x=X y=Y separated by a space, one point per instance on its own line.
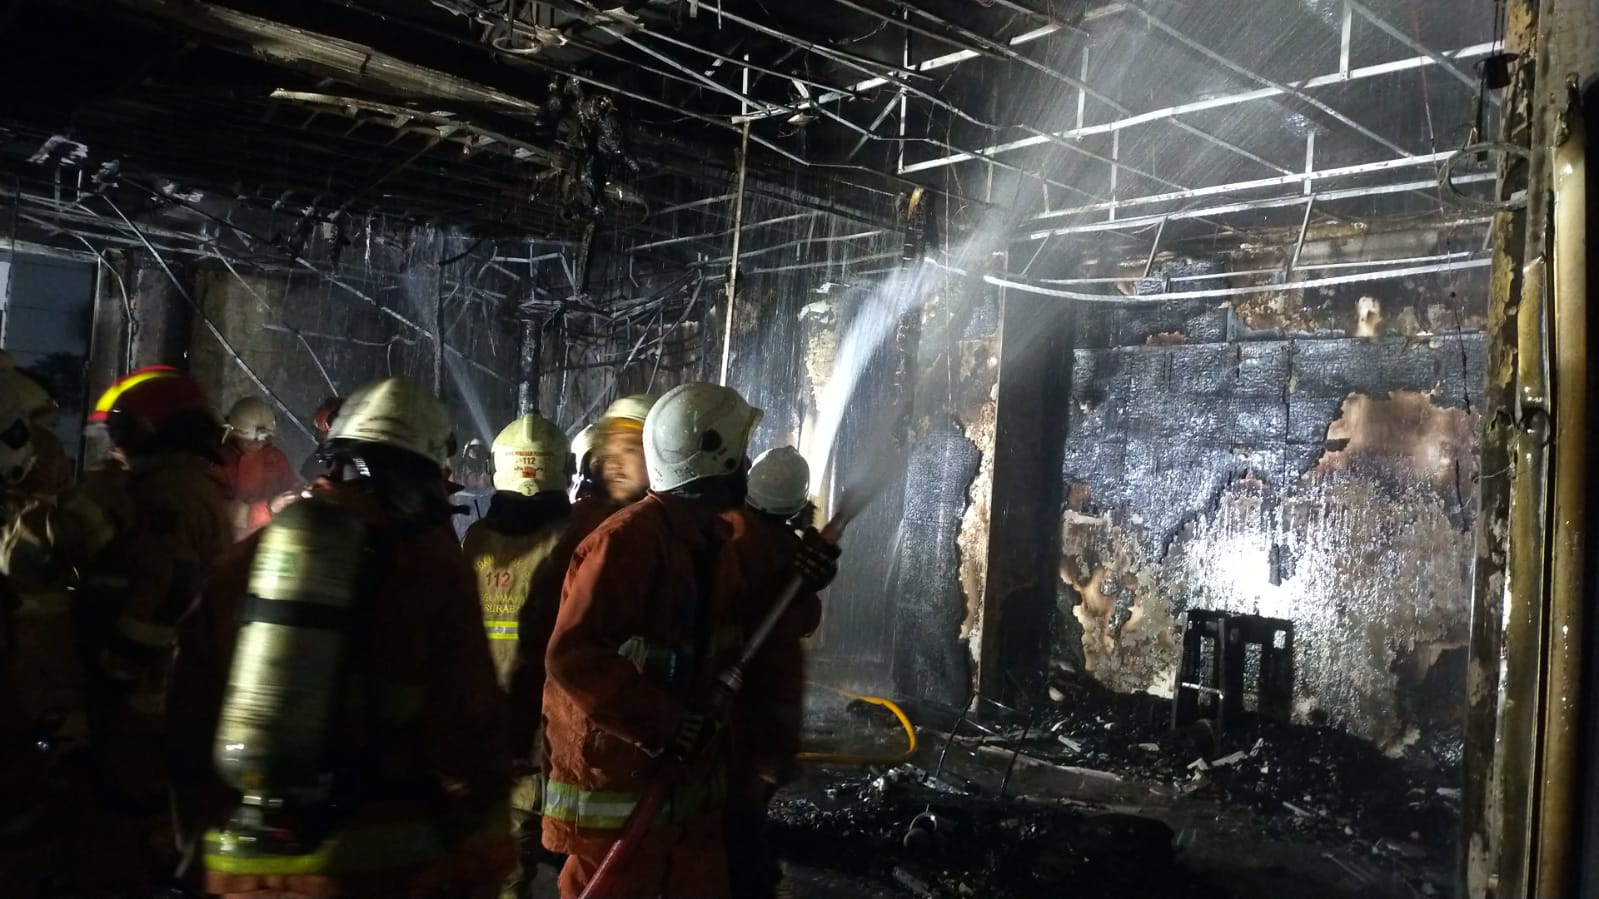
x=355 y=849
x=609 y=810
x=500 y=630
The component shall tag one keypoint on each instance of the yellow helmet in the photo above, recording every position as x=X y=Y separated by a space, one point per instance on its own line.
x=530 y=456
x=629 y=411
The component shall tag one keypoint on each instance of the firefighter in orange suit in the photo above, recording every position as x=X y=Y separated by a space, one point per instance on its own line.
x=409 y=799
x=261 y=480
x=766 y=540
x=648 y=619
x=514 y=549
x=132 y=592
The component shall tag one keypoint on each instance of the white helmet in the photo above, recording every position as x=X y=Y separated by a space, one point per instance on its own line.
x=398 y=412
x=629 y=408
x=780 y=482
x=582 y=445
x=252 y=419
x=530 y=457
x=696 y=431
x=16 y=435
x=42 y=408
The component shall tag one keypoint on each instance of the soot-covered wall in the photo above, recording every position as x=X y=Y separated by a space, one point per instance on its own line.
x=1312 y=475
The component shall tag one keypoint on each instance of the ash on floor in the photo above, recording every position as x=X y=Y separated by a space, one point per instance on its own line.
x=1096 y=795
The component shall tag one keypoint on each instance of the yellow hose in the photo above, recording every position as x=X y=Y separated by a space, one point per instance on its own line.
x=852 y=758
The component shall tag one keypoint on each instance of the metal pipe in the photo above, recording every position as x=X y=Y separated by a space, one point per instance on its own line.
x=870 y=65
x=1242 y=290
x=1346 y=171
x=1304 y=228
x=205 y=319
x=1559 y=805
x=738 y=233
x=960 y=56
x=1068 y=80
x=1158 y=115
x=1250 y=272
x=1247 y=206
x=1162 y=26
x=1397 y=34
x=712 y=235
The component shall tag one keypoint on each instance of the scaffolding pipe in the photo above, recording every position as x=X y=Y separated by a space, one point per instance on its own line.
x=1387 y=28
x=1159 y=24
x=960 y=56
x=1249 y=206
x=1242 y=290
x=994 y=46
x=1346 y=171
x=1169 y=112
x=738 y=233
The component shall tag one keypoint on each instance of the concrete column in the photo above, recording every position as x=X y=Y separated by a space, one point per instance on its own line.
x=1023 y=546
x=163 y=323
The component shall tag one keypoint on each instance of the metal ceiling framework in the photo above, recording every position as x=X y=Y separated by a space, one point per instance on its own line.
x=818 y=93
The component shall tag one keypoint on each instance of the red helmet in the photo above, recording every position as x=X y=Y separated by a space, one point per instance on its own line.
x=143 y=403
x=323 y=419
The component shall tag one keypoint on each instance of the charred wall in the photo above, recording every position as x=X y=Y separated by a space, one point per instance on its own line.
x=1313 y=475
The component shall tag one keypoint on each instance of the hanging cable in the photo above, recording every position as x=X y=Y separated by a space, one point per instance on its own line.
x=210 y=325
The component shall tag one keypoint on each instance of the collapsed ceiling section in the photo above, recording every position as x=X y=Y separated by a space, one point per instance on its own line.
x=1083 y=128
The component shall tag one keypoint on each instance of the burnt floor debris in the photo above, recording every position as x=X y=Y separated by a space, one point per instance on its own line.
x=1093 y=793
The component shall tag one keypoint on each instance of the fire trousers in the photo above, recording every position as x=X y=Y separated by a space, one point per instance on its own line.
x=687 y=861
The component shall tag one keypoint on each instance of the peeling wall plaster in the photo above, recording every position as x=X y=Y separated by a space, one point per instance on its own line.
x=1324 y=481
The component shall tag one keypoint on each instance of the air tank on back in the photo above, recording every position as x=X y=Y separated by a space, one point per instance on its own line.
x=273 y=732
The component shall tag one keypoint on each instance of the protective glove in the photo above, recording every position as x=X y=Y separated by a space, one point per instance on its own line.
x=694 y=735
x=658 y=662
x=816 y=560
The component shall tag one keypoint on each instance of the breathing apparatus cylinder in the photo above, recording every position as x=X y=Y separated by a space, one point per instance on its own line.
x=273 y=737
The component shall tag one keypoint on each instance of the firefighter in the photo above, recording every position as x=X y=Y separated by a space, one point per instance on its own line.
x=260 y=478
x=586 y=480
x=619 y=435
x=161 y=428
x=321 y=422
x=768 y=712
x=363 y=666
x=22 y=798
x=520 y=555
x=647 y=620
x=473 y=477
x=52 y=470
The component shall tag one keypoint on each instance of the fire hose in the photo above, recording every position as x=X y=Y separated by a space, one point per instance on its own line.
x=861 y=758
x=727 y=687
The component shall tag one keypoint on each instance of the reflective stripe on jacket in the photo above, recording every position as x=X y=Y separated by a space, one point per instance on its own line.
x=509 y=569
x=609 y=809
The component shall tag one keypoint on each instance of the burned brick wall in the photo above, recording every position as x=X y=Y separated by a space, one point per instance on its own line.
x=1312 y=474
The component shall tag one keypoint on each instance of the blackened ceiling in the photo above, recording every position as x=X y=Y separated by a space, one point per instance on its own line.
x=493 y=115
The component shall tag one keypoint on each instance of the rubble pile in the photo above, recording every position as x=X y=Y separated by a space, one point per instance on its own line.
x=1319 y=778
x=887 y=828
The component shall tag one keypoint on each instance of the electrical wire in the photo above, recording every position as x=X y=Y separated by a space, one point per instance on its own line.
x=209 y=324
